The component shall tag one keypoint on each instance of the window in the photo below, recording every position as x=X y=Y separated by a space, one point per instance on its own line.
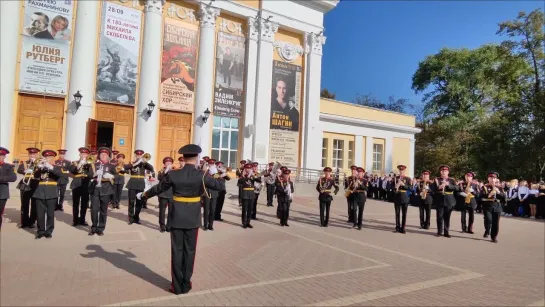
x=225 y=140
x=324 y=152
x=377 y=157
x=350 y=153
x=338 y=146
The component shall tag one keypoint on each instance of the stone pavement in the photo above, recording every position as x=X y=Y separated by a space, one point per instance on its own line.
x=269 y=265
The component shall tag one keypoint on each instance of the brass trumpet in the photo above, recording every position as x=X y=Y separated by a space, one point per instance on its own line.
x=146 y=157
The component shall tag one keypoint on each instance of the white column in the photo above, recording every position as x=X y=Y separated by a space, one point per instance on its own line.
x=205 y=76
x=9 y=23
x=312 y=128
x=358 y=151
x=150 y=76
x=388 y=144
x=369 y=153
x=249 y=93
x=82 y=76
x=262 y=111
x=411 y=158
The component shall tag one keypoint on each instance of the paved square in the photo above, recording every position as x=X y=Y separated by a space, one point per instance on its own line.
x=301 y=265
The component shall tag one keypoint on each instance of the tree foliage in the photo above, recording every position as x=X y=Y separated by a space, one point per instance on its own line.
x=484 y=107
x=401 y=105
x=325 y=93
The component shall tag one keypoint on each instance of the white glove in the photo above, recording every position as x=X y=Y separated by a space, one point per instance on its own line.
x=223 y=175
x=28 y=171
x=471 y=190
x=212 y=171
x=49 y=166
x=463 y=194
x=99 y=172
x=139 y=196
x=108 y=176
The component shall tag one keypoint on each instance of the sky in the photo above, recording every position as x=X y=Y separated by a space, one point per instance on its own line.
x=375 y=46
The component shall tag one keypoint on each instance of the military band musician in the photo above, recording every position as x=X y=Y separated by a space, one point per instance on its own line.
x=325 y=186
x=468 y=192
x=284 y=193
x=443 y=196
x=63 y=181
x=425 y=198
x=81 y=174
x=7 y=175
x=27 y=186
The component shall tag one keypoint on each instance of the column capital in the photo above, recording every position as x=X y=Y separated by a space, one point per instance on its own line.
x=207 y=15
x=154 y=6
x=314 y=43
x=253 y=28
x=267 y=29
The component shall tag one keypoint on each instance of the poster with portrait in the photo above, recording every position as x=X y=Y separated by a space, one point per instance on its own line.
x=117 y=69
x=285 y=106
x=230 y=52
x=178 y=66
x=45 y=49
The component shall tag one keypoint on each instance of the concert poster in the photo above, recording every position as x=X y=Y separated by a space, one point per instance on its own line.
x=179 y=63
x=45 y=48
x=118 y=63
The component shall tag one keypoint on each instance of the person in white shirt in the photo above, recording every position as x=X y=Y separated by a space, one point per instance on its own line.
x=523 y=193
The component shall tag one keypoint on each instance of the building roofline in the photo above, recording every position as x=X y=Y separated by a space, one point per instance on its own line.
x=368 y=123
x=323 y=6
x=366 y=107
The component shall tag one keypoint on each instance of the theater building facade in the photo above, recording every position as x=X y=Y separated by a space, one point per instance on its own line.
x=239 y=78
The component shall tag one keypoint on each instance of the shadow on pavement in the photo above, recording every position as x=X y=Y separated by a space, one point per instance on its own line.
x=124 y=260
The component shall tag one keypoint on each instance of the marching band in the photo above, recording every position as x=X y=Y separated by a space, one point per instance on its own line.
x=100 y=180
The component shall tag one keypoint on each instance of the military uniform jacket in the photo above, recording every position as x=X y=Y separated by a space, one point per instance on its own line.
x=247 y=184
x=65 y=166
x=349 y=185
x=106 y=186
x=7 y=175
x=281 y=186
x=447 y=198
x=81 y=176
x=429 y=194
x=492 y=202
x=47 y=187
x=33 y=183
x=474 y=190
x=324 y=187
x=167 y=193
x=217 y=176
x=401 y=195
x=187 y=186
x=137 y=182
x=361 y=186
x=239 y=172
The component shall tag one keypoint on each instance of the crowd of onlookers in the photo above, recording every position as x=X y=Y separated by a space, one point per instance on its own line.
x=522 y=198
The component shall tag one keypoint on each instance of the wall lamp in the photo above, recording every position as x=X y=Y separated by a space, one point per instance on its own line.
x=206 y=115
x=77 y=99
x=151 y=106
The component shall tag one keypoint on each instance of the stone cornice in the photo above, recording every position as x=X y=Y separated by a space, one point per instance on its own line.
x=207 y=15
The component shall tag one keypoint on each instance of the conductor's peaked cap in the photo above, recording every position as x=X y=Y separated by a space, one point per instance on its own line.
x=190 y=150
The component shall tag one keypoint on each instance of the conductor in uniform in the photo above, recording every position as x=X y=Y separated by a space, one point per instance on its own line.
x=188 y=184
x=7 y=175
x=443 y=194
x=401 y=198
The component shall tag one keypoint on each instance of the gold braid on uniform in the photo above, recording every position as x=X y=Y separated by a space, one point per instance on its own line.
x=204 y=186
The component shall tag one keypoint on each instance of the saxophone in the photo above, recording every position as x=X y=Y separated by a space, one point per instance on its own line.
x=469 y=195
x=425 y=188
x=356 y=183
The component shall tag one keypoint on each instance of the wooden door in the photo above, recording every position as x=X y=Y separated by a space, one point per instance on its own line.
x=174 y=132
x=123 y=119
x=92 y=133
x=39 y=124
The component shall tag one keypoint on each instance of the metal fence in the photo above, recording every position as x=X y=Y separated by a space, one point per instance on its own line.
x=306 y=175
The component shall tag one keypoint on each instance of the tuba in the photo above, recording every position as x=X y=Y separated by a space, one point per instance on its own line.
x=272 y=176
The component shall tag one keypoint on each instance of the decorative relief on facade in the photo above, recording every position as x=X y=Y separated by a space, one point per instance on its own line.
x=314 y=43
x=154 y=6
x=288 y=52
x=185 y=14
x=207 y=15
x=253 y=28
x=267 y=30
x=230 y=27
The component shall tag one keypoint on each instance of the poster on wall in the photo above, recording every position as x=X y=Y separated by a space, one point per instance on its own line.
x=45 y=49
x=285 y=105
x=230 y=52
x=119 y=47
x=178 y=66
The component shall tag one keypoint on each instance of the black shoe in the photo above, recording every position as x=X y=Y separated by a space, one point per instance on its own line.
x=204 y=228
x=287 y=225
x=359 y=227
x=470 y=232
x=485 y=235
x=30 y=226
x=130 y=223
x=402 y=230
x=61 y=209
x=210 y=228
x=167 y=229
x=48 y=236
x=250 y=226
x=438 y=234
x=282 y=224
x=494 y=240
x=162 y=229
x=84 y=224
x=74 y=224
x=325 y=225
x=91 y=233
x=244 y=226
x=447 y=235
x=100 y=233
x=138 y=222
x=38 y=237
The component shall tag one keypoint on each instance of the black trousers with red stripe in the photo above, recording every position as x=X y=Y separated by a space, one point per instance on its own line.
x=183 y=247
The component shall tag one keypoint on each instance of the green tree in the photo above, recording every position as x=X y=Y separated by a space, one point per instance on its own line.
x=325 y=93
x=400 y=105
